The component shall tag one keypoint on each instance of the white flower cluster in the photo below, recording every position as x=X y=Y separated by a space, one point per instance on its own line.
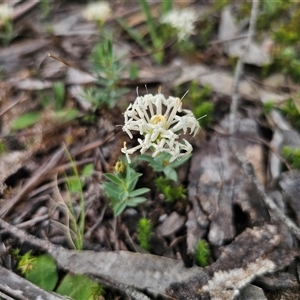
x=5 y=11
x=182 y=20
x=156 y=119
x=97 y=11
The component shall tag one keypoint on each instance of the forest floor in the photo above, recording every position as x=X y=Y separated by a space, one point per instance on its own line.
x=220 y=224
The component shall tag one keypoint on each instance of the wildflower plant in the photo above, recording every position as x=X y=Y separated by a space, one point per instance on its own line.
x=173 y=24
x=97 y=11
x=109 y=71
x=120 y=188
x=160 y=122
x=183 y=21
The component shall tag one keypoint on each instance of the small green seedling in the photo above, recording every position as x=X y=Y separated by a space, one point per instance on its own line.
x=109 y=71
x=169 y=189
x=26 y=120
x=202 y=253
x=144 y=230
x=120 y=188
x=75 y=223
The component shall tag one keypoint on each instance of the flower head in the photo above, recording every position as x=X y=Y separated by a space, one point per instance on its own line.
x=97 y=11
x=182 y=20
x=156 y=119
x=5 y=11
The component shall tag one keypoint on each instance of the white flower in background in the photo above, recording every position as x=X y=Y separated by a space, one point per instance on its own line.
x=156 y=119
x=5 y=11
x=97 y=11
x=182 y=20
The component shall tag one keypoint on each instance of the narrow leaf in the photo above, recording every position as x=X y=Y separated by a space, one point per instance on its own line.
x=26 y=120
x=88 y=170
x=181 y=161
x=114 y=178
x=170 y=173
x=118 y=208
x=135 y=201
x=139 y=192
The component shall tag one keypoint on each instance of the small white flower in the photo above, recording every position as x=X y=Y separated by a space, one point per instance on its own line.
x=156 y=119
x=97 y=11
x=182 y=20
x=5 y=11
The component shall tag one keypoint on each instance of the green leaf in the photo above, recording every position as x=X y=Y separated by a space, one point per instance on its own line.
x=132 y=181
x=139 y=192
x=131 y=178
x=118 y=208
x=170 y=173
x=114 y=178
x=150 y=23
x=181 y=161
x=111 y=190
x=135 y=201
x=25 y=121
x=59 y=94
x=124 y=196
x=43 y=273
x=78 y=287
x=88 y=170
x=149 y=159
x=74 y=184
x=66 y=115
x=129 y=173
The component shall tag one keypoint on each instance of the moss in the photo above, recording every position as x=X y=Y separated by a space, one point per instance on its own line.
x=289 y=32
x=268 y=107
x=291 y=112
x=169 y=189
x=292 y=155
x=144 y=230
x=202 y=253
x=200 y=101
x=204 y=109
